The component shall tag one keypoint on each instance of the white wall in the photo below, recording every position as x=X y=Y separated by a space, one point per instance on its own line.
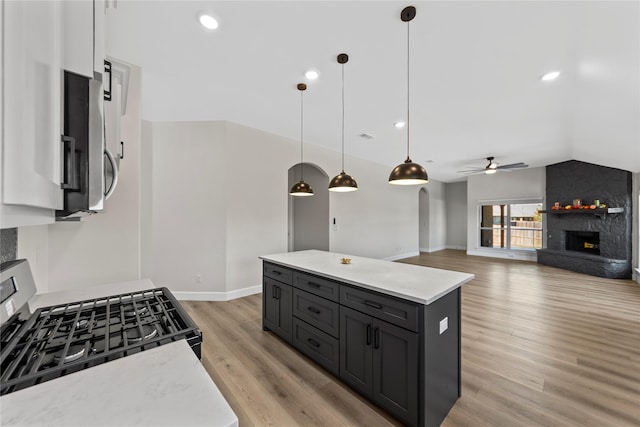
x=456 y=211
x=522 y=184
x=207 y=224
x=635 y=245
x=423 y=219
x=189 y=198
x=105 y=247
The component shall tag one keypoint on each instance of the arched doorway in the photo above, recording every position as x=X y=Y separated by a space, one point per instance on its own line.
x=309 y=216
x=423 y=220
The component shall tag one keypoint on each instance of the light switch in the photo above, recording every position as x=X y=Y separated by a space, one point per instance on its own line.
x=444 y=325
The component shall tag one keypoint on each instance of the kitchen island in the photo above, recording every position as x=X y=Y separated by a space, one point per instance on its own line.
x=389 y=330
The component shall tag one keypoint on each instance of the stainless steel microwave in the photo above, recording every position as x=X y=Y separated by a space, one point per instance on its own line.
x=84 y=157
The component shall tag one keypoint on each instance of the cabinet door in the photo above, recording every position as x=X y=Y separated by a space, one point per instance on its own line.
x=77 y=36
x=285 y=311
x=356 y=350
x=32 y=81
x=395 y=370
x=277 y=311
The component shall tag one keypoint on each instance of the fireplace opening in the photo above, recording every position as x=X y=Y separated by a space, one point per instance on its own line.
x=583 y=241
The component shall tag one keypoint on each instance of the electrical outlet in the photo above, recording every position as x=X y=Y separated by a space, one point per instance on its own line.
x=444 y=325
x=198 y=278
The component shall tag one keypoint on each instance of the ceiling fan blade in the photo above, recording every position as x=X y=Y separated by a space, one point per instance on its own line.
x=513 y=166
x=471 y=170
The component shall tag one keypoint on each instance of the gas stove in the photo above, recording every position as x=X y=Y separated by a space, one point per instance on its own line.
x=62 y=339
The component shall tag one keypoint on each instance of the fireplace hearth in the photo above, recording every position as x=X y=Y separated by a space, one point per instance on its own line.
x=589 y=242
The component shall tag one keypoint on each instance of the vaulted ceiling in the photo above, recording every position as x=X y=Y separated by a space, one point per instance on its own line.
x=475 y=68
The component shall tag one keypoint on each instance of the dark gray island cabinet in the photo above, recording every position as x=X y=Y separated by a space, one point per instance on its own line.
x=389 y=330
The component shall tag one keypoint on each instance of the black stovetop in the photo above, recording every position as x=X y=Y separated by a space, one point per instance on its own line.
x=62 y=339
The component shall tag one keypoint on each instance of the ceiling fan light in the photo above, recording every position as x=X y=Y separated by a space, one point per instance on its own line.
x=301 y=189
x=490 y=171
x=343 y=183
x=408 y=173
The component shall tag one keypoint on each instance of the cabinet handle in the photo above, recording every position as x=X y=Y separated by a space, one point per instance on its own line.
x=313 y=310
x=372 y=304
x=121 y=155
x=313 y=342
x=69 y=170
x=368 y=334
x=279 y=292
x=107 y=69
x=274 y=291
x=279 y=273
x=313 y=285
x=376 y=338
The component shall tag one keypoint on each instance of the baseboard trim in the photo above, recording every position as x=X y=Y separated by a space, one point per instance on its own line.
x=216 y=296
x=638 y=275
x=504 y=255
x=401 y=256
x=457 y=248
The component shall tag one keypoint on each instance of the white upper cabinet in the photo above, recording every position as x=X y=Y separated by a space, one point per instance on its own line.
x=83 y=36
x=32 y=83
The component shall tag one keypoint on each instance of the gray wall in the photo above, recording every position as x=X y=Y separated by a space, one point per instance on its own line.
x=456 y=209
x=310 y=215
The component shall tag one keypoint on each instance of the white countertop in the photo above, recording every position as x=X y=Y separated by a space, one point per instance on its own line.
x=163 y=386
x=415 y=283
x=88 y=292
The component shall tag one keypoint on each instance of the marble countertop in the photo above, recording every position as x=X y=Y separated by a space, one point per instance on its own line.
x=163 y=386
x=415 y=283
x=88 y=292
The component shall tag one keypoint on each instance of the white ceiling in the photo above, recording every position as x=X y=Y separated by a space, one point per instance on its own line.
x=475 y=66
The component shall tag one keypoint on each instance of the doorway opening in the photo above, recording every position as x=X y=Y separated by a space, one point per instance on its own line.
x=309 y=216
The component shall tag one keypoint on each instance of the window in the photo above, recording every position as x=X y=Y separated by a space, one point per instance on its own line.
x=511 y=226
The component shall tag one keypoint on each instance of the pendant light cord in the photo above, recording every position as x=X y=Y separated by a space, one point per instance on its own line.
x=301 y=133
x=342 y=118
x=408 y=51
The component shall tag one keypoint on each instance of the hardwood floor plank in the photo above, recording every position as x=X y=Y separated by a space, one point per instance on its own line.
x=541 y=346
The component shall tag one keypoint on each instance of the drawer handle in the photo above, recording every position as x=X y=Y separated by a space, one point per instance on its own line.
x=313 y=285
x=372 y=304
x=313 y=342
x=279 y=273
x=313 y=310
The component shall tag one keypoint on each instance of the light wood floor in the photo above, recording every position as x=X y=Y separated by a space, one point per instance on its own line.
x=540 y=347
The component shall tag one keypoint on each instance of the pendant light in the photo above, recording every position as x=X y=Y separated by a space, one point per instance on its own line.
x=301 y=188
x=343 y=182
x=408 y=173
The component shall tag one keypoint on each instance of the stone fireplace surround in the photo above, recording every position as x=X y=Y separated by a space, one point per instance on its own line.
x=579 y=180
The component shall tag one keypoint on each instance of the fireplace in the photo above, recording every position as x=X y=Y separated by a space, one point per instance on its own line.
x=582 y=241
x=598 y=241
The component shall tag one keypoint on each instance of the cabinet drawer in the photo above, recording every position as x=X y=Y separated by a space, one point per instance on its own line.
x=384 y=307
x=321 y=347
x=281 y=274
x=317 y=286
x=319 y=312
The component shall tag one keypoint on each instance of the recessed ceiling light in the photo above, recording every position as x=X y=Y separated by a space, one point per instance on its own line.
x=208 y=22
x=550 y=76
x=399 y=124
x=311 y=75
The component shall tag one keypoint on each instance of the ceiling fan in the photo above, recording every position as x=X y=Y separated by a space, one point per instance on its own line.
x=494 y=167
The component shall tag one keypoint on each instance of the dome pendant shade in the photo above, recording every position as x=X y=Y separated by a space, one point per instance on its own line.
x=301 y=189
x=343 y=183
x=408 y=173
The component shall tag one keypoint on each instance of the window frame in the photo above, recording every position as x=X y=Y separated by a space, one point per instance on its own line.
x=507 y=228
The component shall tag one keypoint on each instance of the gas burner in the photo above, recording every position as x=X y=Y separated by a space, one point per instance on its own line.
x=135 y=309
x=81 y=324
x=148 y=331
x=75 y=352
